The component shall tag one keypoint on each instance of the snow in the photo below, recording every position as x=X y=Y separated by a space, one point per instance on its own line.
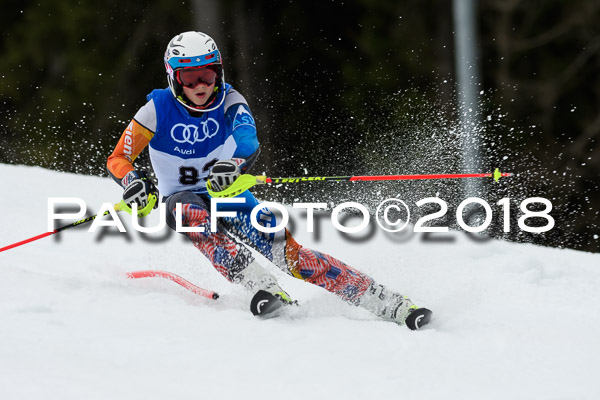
x=511 y=321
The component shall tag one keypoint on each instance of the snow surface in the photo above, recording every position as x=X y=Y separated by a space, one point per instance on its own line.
x=511 y=321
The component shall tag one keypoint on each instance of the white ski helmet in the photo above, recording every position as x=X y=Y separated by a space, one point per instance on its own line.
x=193 y=50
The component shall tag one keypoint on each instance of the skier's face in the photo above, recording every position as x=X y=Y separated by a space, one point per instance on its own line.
x=200 y=94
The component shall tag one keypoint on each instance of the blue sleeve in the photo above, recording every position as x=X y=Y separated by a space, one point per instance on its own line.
x=241 y=121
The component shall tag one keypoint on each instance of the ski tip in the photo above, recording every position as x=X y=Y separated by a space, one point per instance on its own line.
x=418 y=318
x=264 y=304
x=215 y=296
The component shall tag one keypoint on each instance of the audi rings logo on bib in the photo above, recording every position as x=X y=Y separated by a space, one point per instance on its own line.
x=182 y=133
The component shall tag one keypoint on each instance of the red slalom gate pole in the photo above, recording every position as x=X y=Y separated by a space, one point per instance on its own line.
x=175 y=278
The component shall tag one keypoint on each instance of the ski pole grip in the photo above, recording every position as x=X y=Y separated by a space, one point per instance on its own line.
x=152 y=199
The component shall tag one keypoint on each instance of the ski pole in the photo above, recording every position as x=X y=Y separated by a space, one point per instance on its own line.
x=121 y=206
x=246 y=181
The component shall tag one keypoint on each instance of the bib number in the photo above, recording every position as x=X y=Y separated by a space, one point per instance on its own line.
x=191 y=175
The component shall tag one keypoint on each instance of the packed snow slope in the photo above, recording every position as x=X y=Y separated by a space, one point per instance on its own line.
x=511 y=321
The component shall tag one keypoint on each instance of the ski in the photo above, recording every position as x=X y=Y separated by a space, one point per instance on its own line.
x=418 y=318
x=264 y=304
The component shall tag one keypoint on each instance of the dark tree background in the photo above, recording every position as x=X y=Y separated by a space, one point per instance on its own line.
x=340 y=88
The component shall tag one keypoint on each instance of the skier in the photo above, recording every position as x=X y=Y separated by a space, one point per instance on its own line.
x=199 y=130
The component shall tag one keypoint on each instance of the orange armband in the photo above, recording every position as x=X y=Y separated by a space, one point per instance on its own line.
x=133 y=140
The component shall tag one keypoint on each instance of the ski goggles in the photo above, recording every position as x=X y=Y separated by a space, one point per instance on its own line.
x=192 y=77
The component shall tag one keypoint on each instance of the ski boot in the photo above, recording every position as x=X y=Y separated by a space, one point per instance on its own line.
x=269 y=296
x=394 y=307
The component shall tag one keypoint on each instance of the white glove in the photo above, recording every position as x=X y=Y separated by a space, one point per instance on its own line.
x=137 y=188
x=225 y=172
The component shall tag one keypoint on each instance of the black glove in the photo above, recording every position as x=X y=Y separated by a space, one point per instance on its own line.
x=138 y=187
x=225 y=172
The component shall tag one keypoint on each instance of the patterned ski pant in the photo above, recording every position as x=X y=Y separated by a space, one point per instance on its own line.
x=226 y=249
